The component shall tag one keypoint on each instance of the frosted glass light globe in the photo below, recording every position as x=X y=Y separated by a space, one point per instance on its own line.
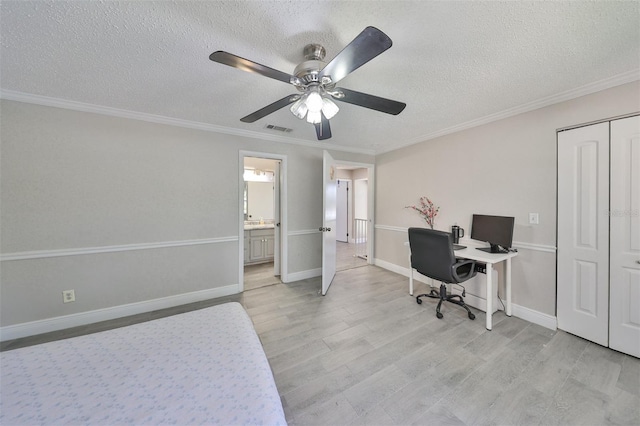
x=314 y=102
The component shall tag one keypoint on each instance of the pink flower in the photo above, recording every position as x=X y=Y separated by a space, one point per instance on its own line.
x=426 y=210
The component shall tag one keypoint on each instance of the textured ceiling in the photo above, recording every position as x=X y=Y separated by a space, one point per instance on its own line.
x=451 y=62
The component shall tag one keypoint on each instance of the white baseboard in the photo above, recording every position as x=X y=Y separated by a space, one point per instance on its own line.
x=539 y=318
x=74 y=320
x=395 y=268
x=303 y=275
x=527 y=314
x=479 y=302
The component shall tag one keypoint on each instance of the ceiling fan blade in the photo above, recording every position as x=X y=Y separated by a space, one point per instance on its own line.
x=367 y=45
x=369 y=101
x=263 y=112
x=249 y=66
x=323 y=129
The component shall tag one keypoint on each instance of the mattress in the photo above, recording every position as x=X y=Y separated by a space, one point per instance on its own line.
x=201 y=367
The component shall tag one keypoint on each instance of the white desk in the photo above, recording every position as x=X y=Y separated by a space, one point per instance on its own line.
x=489 y=259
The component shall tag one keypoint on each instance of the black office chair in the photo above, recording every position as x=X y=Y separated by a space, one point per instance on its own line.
x=432 y=255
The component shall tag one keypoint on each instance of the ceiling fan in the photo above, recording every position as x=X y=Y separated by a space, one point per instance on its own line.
x=316 y=80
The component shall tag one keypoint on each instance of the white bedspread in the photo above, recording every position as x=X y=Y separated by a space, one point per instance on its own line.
x=200 y=367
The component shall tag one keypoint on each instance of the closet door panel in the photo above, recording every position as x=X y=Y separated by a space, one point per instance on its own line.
x=624 y=333
x=583 y=232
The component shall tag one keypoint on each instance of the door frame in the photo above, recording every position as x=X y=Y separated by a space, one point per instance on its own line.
x=371 y=168
x=280 y=232
x=348 y=207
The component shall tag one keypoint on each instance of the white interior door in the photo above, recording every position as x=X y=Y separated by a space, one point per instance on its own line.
x=342 y=211
x=277 y=243
x=624 y=332
x=329 y=196
x=583 y=232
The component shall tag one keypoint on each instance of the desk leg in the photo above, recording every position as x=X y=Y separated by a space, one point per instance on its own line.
x=508 y=285
x=410 y=280
x=410 y=277
x=489 y=295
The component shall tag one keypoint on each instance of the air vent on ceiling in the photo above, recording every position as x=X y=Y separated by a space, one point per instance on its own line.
x=278 y=128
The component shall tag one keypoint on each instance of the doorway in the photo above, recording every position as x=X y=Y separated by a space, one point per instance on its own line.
x=262 y=248
x=352 y=217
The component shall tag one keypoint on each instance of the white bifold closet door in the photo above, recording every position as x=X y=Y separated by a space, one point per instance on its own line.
x=624 y=292
x=598 y=278
x=583 y=232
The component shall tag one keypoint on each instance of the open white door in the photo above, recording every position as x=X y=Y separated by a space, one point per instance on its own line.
x=624 y=292
x=276 y=220
x=328 y=229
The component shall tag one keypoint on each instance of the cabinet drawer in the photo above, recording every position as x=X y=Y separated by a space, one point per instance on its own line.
x=261 y=232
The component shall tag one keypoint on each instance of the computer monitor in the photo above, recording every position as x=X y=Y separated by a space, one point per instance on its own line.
x=496 y=230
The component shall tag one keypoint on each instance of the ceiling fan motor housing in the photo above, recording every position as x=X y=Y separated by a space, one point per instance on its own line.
x=314 y=51
x=308 y=70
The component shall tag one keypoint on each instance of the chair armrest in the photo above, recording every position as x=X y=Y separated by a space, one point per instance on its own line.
x=469 y=267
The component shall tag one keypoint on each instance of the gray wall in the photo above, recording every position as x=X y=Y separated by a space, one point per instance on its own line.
x=77 y=181
x=80 y=181
x=507 y=167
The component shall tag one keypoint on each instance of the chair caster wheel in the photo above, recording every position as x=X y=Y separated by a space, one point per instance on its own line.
x=419 y=301
x=439 y=315
x=471 y=316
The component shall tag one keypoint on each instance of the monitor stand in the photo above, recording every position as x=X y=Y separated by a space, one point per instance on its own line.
x=494 y=248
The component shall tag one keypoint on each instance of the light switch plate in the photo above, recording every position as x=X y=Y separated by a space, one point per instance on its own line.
x=534 y=219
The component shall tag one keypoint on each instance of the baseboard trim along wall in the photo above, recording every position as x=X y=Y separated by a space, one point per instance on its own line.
x=539 y=318
x=74 y=320
x=543 y=320
x=303 y=275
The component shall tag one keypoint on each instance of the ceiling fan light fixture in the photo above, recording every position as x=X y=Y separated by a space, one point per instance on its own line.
x=329 y=108
x=314 y=100
x=299 y=107
x=314 y=117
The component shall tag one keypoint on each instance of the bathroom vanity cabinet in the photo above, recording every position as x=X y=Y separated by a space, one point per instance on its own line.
x=259 y=245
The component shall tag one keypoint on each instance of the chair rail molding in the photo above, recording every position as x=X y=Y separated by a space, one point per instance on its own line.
x=516 y=244
x=303 y=232
x=41 y=254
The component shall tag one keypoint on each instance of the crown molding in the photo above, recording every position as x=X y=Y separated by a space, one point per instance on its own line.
x=587 y=89
x=567 y=95
x=29 y=98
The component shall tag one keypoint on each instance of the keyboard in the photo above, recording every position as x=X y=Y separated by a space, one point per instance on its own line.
x=458 y=247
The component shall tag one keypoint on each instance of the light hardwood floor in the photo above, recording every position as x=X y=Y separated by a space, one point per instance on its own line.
x=346 y=256
x=367 y=353
x=261 y=275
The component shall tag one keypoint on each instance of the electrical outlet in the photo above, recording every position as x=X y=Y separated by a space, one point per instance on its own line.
x=68 y=296
x=534 y=219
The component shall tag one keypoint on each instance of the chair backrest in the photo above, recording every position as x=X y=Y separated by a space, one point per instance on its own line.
x=432 y=253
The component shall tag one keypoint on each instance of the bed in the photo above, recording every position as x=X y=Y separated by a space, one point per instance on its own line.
x=201 y=367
